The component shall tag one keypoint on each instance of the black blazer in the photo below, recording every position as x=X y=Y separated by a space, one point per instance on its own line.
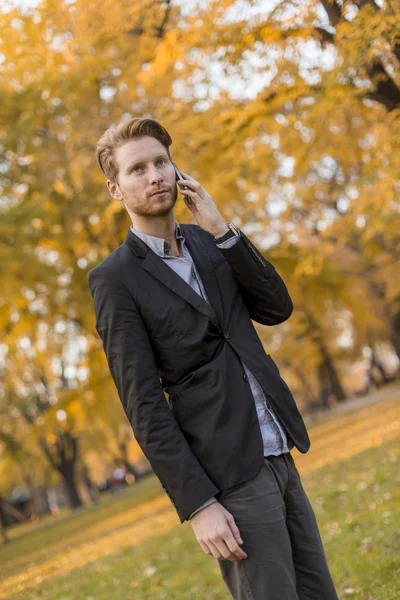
x=160 y=336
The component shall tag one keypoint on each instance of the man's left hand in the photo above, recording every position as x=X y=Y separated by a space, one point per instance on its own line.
x=203 y=206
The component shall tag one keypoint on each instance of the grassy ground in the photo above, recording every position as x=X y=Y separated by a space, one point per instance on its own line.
x=133 y=547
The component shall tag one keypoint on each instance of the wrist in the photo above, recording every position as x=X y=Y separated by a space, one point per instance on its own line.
x=231 y=232
x=203 y=508
x=220 y=230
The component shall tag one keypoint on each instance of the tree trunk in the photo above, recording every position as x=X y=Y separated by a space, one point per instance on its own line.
x=328 y=376
x=311 y=400
x=90 y=485
x=131 y=469
x=336 y=387
x=67 y=472
x=34 y=503
x=63 y=456
x=3 y=522
x=123 y=448
x=395 y=332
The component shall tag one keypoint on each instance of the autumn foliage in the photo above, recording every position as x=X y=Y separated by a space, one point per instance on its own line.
x=289 y=116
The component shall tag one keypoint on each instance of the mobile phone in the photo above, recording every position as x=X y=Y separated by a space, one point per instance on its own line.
x=187 y=199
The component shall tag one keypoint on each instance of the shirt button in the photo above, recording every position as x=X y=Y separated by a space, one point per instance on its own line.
x=226 y=335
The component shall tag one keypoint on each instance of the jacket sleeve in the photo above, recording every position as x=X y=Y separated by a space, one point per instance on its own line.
x=263 y=290
x=133 y=367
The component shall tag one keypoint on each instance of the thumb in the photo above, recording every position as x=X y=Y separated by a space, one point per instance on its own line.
x=235 y=530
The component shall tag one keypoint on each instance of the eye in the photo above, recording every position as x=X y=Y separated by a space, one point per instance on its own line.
x=160 y=160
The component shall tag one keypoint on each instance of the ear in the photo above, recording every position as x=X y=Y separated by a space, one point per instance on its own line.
x=114 y=190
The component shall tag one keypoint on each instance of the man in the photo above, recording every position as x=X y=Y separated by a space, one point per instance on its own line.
x=174 y=307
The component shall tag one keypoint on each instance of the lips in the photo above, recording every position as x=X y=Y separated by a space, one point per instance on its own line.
x=159 y=192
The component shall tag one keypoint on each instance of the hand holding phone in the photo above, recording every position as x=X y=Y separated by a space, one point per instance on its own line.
x=202 y=205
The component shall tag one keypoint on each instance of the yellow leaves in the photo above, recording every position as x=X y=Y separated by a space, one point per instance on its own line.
x=70 y=402
x=62 y=188
x=114 y=207
x=310 y=265
x=52 y=438
x=59 y=186
x=20 y=329
x=56 y=229
x=269 y=34
x=352 y=433
x=49 y=206
x=248 y=38
x=166 y=54
x=49 y=244
x=235 y=147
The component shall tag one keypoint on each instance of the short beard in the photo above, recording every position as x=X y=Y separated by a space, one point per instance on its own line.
x=144 y=211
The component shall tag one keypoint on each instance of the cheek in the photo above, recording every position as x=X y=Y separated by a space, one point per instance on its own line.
x=171 y=174
x=135 y=191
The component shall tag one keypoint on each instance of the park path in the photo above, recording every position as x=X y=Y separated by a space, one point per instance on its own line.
x=350 y=428
x=104 y=538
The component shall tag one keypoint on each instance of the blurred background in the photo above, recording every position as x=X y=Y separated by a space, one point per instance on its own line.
x=288 y=113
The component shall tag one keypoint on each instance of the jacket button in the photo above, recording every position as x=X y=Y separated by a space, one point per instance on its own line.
x=226 y=335
x=245 y=377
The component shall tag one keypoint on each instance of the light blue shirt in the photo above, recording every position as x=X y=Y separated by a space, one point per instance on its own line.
x=273 y=433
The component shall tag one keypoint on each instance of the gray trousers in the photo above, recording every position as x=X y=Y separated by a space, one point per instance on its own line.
x=285 y=557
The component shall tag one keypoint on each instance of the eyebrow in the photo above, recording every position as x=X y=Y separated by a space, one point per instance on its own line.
x=141 y=162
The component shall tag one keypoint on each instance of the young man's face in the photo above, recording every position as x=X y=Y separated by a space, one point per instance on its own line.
x=144 y=168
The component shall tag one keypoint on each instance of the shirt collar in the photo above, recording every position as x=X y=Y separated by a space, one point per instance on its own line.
x=159 y=245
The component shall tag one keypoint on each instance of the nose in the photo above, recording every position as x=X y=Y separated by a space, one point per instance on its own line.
x=155 y=175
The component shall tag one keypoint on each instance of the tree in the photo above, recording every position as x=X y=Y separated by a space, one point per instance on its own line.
x=288 y=115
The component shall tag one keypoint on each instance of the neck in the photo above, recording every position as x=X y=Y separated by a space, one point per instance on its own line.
x=161 y=227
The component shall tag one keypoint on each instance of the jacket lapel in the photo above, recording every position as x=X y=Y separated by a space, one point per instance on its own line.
x=205 y=267
x=155 y=265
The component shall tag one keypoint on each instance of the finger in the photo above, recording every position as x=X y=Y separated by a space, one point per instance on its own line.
x=191 y=194
x=182 y=185
x=193 y=197
x=215 y=550
x=205 y=548
x=220 y=550
x=190 y=204
x=234 y=529
x=193 y=184
x=186 y=176
x=233 y=546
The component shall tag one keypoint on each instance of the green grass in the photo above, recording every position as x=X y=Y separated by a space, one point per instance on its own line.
x=133 y=547
x=356 y=503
